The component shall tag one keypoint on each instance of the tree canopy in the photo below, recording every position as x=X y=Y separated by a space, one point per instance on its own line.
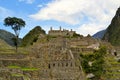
x=16 y=24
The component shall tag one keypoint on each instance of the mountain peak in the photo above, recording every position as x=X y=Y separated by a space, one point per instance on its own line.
x=118 y=12
x=112 y=34
x=32 y=36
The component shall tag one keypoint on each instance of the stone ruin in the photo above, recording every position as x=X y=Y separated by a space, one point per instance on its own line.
x=61 y=32
x=54 y=59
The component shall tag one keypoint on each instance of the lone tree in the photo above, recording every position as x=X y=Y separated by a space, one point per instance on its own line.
x=16 y=24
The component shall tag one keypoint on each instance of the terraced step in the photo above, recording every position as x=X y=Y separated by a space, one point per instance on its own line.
x=112 y=68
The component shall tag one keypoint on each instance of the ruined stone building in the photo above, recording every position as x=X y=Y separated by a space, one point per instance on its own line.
x=60 y=63
x=53 y=59
x=60 y=32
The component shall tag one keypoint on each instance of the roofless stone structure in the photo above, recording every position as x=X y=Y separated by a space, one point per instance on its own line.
x=61 y=32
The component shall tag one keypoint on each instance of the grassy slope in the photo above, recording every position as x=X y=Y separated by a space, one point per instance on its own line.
x=7 y=49
x=7 y=37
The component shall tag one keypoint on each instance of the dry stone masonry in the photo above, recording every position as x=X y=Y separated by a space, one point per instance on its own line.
x=51 y=58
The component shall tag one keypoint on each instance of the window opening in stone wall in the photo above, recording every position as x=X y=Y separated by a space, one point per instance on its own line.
x=49 y=66
x=53 y=64
x=62 y=65
x=66 y=64
x=115 y=53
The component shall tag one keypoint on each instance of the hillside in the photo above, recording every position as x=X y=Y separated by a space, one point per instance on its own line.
x=32 y=36
x=5 y=48
x=99 y=34
x=112 y=34
x=3 y=44
x=59 y=58
x=7 y=37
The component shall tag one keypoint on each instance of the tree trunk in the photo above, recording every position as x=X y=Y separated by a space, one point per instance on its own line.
x=16 y=44
x=16 y=47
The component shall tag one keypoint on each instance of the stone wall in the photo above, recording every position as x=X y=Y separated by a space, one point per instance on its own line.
x=61 y=64
x=22 y=63
x=55 y=60
x=61 y=32
x=12 y=56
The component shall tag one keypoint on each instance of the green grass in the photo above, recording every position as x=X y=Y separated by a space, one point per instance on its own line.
x=17 y=75
x=22 y=68
x=7 y=51
x=112 y=68
x=21 y=75
x=12 y=66
x=29 y=69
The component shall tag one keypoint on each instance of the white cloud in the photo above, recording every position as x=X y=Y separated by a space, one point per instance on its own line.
x=90 y=28
x=4 y=13
x=27 y=1
x=93 y=15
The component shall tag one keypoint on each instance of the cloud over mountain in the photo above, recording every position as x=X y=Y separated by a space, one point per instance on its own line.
x=85 y=13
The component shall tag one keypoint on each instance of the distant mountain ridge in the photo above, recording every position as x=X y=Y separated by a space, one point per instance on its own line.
x=7 y=36
x=112 y=33
x=99 y=34
x=3 y=44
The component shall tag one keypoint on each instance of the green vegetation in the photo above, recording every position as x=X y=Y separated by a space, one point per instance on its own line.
x=5 y=48
x=97 y=63
x=112 y=34
x=32 y=36
x=14 y=66
x=112 y=67
x=7 y=37
x=16 y=24
x=21 y=75
x=22 y=68
x=17 y=75
x=3 y=44
x=29 y=69
x=75 y=35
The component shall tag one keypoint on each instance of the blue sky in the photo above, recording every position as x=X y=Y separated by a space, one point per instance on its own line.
x=83 y=16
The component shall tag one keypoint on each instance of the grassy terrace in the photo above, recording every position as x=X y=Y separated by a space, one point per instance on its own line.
x=14 y=67
x=13 y=51
x=22 y=68
x=21 y=75
x=17 y=75
x=7 y=49
x=112 y=68
x=29 y=69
